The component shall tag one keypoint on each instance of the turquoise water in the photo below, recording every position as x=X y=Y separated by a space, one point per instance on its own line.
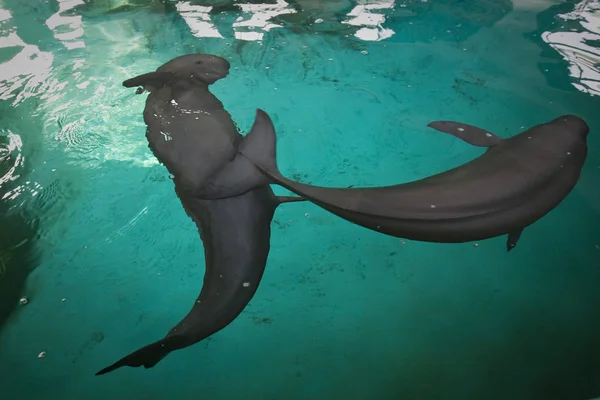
x=95 y=239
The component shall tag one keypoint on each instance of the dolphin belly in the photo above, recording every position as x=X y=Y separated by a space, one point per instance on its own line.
x=534 y=206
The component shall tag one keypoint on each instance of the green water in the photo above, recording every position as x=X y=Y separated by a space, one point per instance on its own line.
x=95 y=239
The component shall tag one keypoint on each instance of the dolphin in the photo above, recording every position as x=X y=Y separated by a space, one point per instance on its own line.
x=514 y=183
x=194 y=137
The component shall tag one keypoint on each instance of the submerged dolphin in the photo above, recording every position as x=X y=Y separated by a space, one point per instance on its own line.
x=190 y=132
x=513 y=184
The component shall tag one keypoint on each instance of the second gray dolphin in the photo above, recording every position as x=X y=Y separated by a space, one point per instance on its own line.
x=514 y=183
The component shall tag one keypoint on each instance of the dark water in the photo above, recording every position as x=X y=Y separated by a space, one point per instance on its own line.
x=96 y=242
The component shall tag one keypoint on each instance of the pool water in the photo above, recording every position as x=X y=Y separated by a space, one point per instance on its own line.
x=98 y=246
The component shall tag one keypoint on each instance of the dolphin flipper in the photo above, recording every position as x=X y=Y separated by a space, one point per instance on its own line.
x=468 y=133
x=153 y=79
x=289 y=199
x=513 y=238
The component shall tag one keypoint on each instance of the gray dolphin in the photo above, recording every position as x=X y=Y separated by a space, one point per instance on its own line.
x=194 y=137
x=514 y=183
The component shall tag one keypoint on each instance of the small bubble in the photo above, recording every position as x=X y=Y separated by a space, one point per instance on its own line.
x=246 y=284
x=42 y=354
x=364 y=52
x=476 y=245
x=568 y=153
x=318 y=21
x=266 y=67
x=330 y=59
x=403 y=242
x=488 y=134
x=24 y=300
x=460 y=129
x=432 y=206
x=63 y=300
x=307 y=215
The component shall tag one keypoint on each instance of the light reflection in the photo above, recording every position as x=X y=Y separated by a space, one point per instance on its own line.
x=29 y=68
x=7 y=151
x=198 y=19
x=4 y=15
x=574 y=47
x=371 y=22
x=261 y=14
x=70 y=26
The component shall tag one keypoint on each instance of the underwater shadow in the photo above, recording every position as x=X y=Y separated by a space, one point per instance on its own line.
x=18 y=255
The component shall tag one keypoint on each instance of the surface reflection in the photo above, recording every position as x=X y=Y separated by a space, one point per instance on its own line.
x=577 y=39
x=18 y=256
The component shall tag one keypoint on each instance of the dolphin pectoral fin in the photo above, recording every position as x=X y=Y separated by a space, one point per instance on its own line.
x=513 y=238
x=289 y=199
x=468 y=133
x=153 y=79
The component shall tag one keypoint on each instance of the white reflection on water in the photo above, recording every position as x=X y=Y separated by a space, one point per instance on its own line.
x=12 y=149
x=198 y=19
x=261 y=14
x=26 y=70
x=371 y=22
x=67 y=29
x=584 y=59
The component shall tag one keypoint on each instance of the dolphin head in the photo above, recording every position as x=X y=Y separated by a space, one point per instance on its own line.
x=572 y=125
x=191 y=69
x=206 y=68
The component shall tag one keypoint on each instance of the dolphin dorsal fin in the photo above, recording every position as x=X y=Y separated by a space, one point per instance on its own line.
x=468 y=133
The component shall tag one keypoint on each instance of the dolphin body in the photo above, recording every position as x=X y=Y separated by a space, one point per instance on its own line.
x=189 y=131
x=514 y=183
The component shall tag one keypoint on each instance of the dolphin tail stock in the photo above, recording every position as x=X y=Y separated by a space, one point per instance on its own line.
x=259 y=147
x=148 y=356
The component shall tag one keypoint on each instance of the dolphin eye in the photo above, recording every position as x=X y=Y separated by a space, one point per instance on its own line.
x=198 y=62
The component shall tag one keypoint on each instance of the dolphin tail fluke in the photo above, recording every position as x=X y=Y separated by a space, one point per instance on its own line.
x=148 y=356
x=260 y=146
